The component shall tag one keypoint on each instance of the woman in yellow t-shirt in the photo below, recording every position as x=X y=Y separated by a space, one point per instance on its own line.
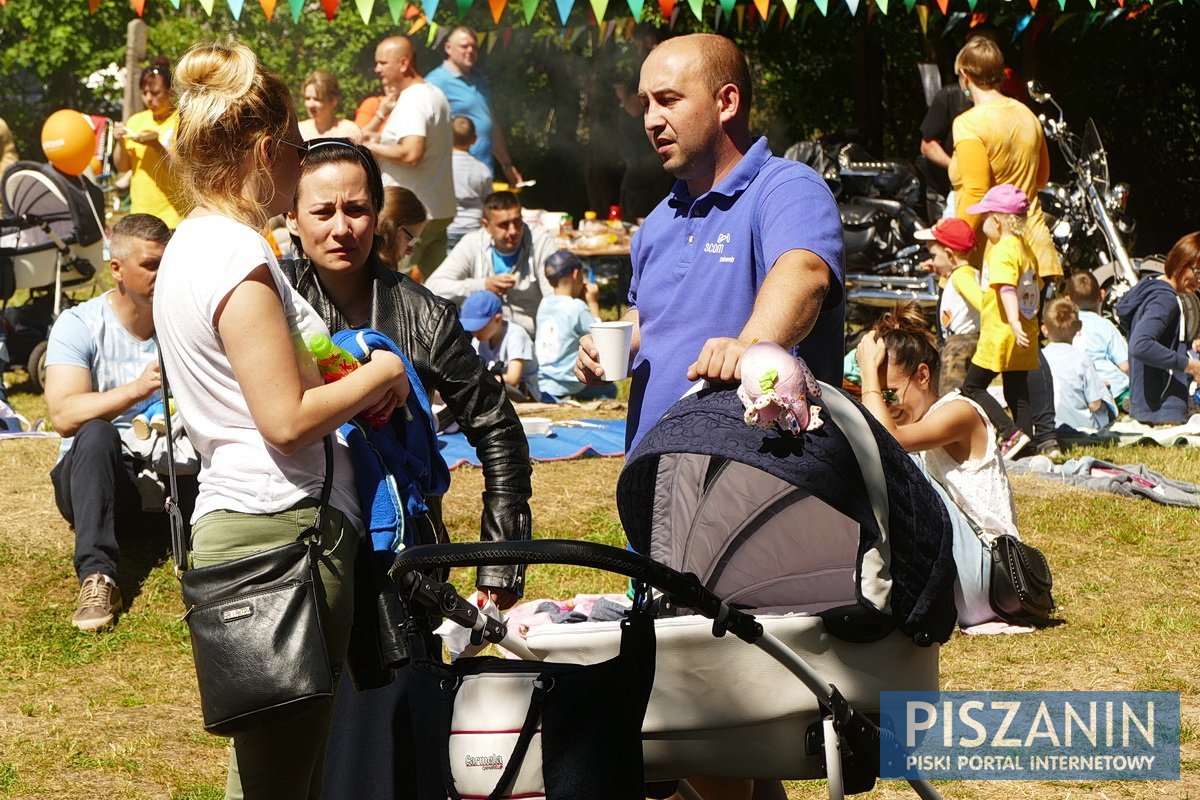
x=998 y=141
x=144 y=142
x=1008 y=323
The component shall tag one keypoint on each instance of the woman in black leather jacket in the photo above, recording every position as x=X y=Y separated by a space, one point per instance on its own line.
x=337 y=204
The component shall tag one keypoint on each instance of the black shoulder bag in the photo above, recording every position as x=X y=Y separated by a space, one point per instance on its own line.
x=1021 y=582
x=257 y=639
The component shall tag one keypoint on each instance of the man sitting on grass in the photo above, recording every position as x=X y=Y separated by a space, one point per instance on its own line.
x=102 y=370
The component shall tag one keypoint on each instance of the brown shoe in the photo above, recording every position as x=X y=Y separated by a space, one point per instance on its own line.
x=99 y=602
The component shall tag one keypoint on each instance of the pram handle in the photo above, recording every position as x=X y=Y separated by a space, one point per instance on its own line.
x=684 y=589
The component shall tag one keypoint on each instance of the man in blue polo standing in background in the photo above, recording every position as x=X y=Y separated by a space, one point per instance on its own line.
x=747 y=247
x=470 y=96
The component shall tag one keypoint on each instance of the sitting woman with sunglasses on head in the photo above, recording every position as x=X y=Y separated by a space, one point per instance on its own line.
x=335 y=221
x=899 y=362
x=252 y=399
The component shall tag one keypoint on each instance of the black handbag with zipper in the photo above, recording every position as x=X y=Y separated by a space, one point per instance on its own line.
x=1021 y=582
x=257 y=637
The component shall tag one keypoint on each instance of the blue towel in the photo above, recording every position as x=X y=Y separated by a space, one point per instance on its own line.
x=592 y=437
x=397 y=466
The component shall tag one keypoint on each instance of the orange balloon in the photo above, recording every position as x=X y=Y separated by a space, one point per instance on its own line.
x=69 y=141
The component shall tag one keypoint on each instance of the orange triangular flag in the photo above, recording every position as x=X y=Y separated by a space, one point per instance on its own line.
x=268 y=7
x=943 y=5
x=762 y=5
x=497 y=7
x=420 y=23
x=139 y=6
x=666 y=7
x=330 y=7
x=1033 y=4
x=93 y=5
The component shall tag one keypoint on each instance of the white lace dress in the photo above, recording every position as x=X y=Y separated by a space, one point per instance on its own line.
x=979 y=487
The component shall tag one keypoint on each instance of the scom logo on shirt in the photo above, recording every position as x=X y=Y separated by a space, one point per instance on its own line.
x=718 y=247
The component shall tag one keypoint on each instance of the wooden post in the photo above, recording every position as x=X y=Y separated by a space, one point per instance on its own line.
x=135 y=53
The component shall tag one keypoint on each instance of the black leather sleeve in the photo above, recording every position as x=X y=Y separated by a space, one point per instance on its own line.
x=491 y=425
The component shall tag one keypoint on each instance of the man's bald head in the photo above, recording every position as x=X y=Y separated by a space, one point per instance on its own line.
x=399 y=46
x=717 y=59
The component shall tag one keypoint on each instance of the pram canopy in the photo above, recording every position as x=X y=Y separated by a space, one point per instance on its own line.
x=32 y=193
x=780 y=522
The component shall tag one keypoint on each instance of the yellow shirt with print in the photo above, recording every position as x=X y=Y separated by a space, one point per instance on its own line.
x=1009 y=263
x=153 y=188
x=1002 y=142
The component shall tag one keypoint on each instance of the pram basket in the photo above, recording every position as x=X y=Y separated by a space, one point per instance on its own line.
x=842 y=721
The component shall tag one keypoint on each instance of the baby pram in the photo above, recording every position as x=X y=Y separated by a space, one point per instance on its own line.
x=834 y=539
x=51 y=238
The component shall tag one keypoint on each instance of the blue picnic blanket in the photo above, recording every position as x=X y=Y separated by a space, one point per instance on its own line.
x=568 y=439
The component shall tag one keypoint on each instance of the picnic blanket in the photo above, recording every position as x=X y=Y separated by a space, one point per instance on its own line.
x=1129 y=480
x=568 y=439
x=1127 y=432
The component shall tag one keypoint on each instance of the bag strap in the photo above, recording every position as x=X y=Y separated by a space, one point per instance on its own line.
x=179 y=539
x=541 y=686
x=866 y=450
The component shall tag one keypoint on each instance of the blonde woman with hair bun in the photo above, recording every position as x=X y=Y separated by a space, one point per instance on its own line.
x=232 y=333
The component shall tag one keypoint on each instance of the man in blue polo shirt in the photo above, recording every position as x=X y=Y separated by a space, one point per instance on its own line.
x=747 y=246
x=470 y=96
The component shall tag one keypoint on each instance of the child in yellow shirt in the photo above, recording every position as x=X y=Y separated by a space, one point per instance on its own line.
x=1008 y=323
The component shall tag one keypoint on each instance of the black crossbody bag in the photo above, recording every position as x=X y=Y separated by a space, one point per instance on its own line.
x=257 y=638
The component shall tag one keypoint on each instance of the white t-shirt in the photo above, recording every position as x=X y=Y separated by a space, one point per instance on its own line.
x=955 y=314
x=422 y=110
x=204 y=262
x=91 y=337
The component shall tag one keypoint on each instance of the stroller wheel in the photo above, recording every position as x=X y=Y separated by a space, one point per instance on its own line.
x=36 y=366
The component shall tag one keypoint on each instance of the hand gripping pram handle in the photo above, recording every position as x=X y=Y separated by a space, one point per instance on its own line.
x=685 y=589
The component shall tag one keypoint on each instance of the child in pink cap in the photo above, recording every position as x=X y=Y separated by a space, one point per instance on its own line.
x=1008 y=319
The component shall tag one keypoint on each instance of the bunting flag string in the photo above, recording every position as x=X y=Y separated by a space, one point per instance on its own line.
x=740 y=13
x=139 y=6
x=882 y=5
x=428 y=8
x=763 y=7
x=175 y=3
x=1063 y=19
x=93 y=5
x=496 y=6
x=666 y=7
x=853 y=6
x=598 y=8
x=726 y=7
x=609 y=27
x=396 y=8
x=790 y=7
x=330 y=8
x=296 y=5
x=364 y=10
x=207 y=5
x=823 y=7
x=235 y=8
x=908 y=4
x=1022 y=24
x=268 y=7
x=564 y=9
x=529 y=7
x=943 y=5
x=635 y=7
x=923 y=18
x=697 y=7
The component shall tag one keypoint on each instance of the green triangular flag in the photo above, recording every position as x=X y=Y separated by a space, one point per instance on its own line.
x=696 y=6
x=207 y=5
x=636 y=7
x=823 y=5
x=598 y=8
x=463 y=7
x=971 y=4
x=364 y=9
x=909 y=4
x=530 y=8
x=396 y=8
x=297 y=7
x=727 y=6
x=882 y=5
x=790 y=7
x=176 y=4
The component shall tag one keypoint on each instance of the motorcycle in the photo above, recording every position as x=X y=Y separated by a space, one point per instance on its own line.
x=877 y=202
x=1087 y=216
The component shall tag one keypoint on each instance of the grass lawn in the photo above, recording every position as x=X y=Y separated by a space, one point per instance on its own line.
x=117 y=714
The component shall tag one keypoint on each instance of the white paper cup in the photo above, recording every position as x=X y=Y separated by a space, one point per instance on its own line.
x=613 y=340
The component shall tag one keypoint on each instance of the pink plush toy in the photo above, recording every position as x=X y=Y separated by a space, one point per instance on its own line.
x=776 y=387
